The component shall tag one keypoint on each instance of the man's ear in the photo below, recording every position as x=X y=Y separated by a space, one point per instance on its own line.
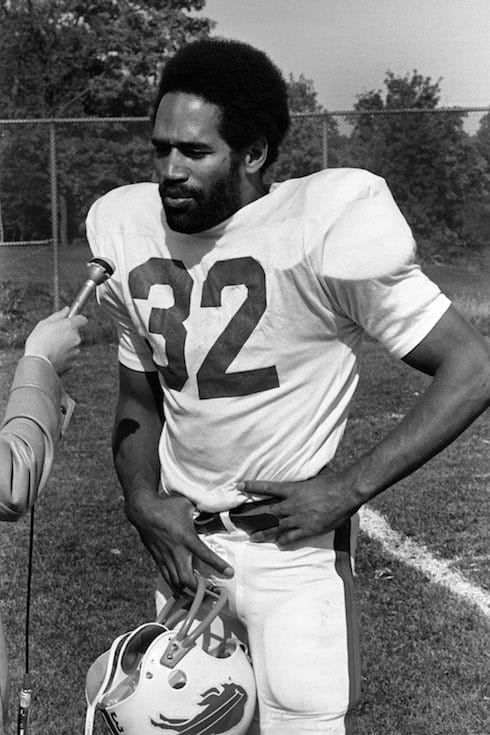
x=256 y=155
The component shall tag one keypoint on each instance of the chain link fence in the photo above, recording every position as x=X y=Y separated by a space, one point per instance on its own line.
x=51 y=170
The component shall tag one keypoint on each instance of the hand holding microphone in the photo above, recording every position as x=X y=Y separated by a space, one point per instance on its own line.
x=57 y=338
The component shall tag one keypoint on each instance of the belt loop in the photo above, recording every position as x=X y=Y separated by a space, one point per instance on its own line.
x=227 y=523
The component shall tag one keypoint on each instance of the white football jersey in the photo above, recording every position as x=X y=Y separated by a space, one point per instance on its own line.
x=256 y=325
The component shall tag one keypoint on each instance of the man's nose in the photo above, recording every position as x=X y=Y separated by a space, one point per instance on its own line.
x=172 y=167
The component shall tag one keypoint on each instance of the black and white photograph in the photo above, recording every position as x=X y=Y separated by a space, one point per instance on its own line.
x=244 y=367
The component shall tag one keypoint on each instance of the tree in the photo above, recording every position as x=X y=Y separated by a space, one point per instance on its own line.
x=93 y=58
x=478 y=214
x=85 y=58
x=483 y=134
x=302 y=150
x=427 y=158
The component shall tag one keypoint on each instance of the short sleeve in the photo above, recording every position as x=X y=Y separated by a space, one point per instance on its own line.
x=369 y=237
x=133 y=350
x=398 y=310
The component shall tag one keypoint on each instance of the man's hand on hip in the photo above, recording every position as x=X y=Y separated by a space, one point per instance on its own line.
x=304 y=509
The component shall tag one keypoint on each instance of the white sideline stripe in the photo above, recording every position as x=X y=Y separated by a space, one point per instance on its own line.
x=420 y=558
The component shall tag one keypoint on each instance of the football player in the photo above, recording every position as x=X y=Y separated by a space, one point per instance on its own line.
x=241 y=310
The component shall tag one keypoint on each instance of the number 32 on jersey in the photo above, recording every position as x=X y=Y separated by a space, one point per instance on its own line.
x=213 y=380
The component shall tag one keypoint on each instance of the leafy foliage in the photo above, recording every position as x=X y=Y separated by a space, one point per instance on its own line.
x=479 y=212
x=103 y=59
x=302 y=150
x=427 y=158
x=93 y=159
x=24 y=182
x=85 y=58
x=89 y=58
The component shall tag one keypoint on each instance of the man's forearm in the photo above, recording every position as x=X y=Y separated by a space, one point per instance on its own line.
x=457 y=395
x=136 y=434
x=135 y=450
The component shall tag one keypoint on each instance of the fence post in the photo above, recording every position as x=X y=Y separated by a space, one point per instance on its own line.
x=54 y=211
x=325 y=141
x=2 y=233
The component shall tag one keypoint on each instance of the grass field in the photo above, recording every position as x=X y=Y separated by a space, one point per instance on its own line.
x=425 y=650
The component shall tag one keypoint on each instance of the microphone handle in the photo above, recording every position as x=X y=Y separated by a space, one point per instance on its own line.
x=82 y=297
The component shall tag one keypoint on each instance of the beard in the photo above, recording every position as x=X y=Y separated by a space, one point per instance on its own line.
x=202 y=208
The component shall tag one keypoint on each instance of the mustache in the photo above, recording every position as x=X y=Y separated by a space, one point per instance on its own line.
x=176 y=190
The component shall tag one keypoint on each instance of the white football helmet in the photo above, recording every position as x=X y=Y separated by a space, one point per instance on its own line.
x=159 y=679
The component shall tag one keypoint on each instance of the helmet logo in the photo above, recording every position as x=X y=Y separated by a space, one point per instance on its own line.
x=223 y=709
x=112 y=723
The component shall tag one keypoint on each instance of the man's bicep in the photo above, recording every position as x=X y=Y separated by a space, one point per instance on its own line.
x=452 y=340
x=139 y=405
x=141 y=389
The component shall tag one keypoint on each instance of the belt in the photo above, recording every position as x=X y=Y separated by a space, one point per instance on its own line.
x=247 y=517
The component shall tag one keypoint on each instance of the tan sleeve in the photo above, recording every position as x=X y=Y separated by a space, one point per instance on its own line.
x=4 y=681
x=37 y=414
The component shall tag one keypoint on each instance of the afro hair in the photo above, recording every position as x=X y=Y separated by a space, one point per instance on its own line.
x=242 y=81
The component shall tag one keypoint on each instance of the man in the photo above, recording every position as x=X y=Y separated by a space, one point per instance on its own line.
x=37 y=412
x=241 y=313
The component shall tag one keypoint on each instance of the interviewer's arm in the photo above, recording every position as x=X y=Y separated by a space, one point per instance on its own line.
x=4 y=682
x=33 y=420
x=37 y=411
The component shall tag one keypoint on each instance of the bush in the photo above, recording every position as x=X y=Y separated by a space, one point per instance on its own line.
x=442 y=246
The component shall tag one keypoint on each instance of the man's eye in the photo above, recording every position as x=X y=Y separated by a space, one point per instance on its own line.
x=161 y=151
x=195 y=153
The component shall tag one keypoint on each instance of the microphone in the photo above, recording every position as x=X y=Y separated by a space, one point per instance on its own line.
x=24 y=705
x=99 y=270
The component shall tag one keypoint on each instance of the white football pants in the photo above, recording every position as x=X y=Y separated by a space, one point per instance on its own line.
x=294 y=609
